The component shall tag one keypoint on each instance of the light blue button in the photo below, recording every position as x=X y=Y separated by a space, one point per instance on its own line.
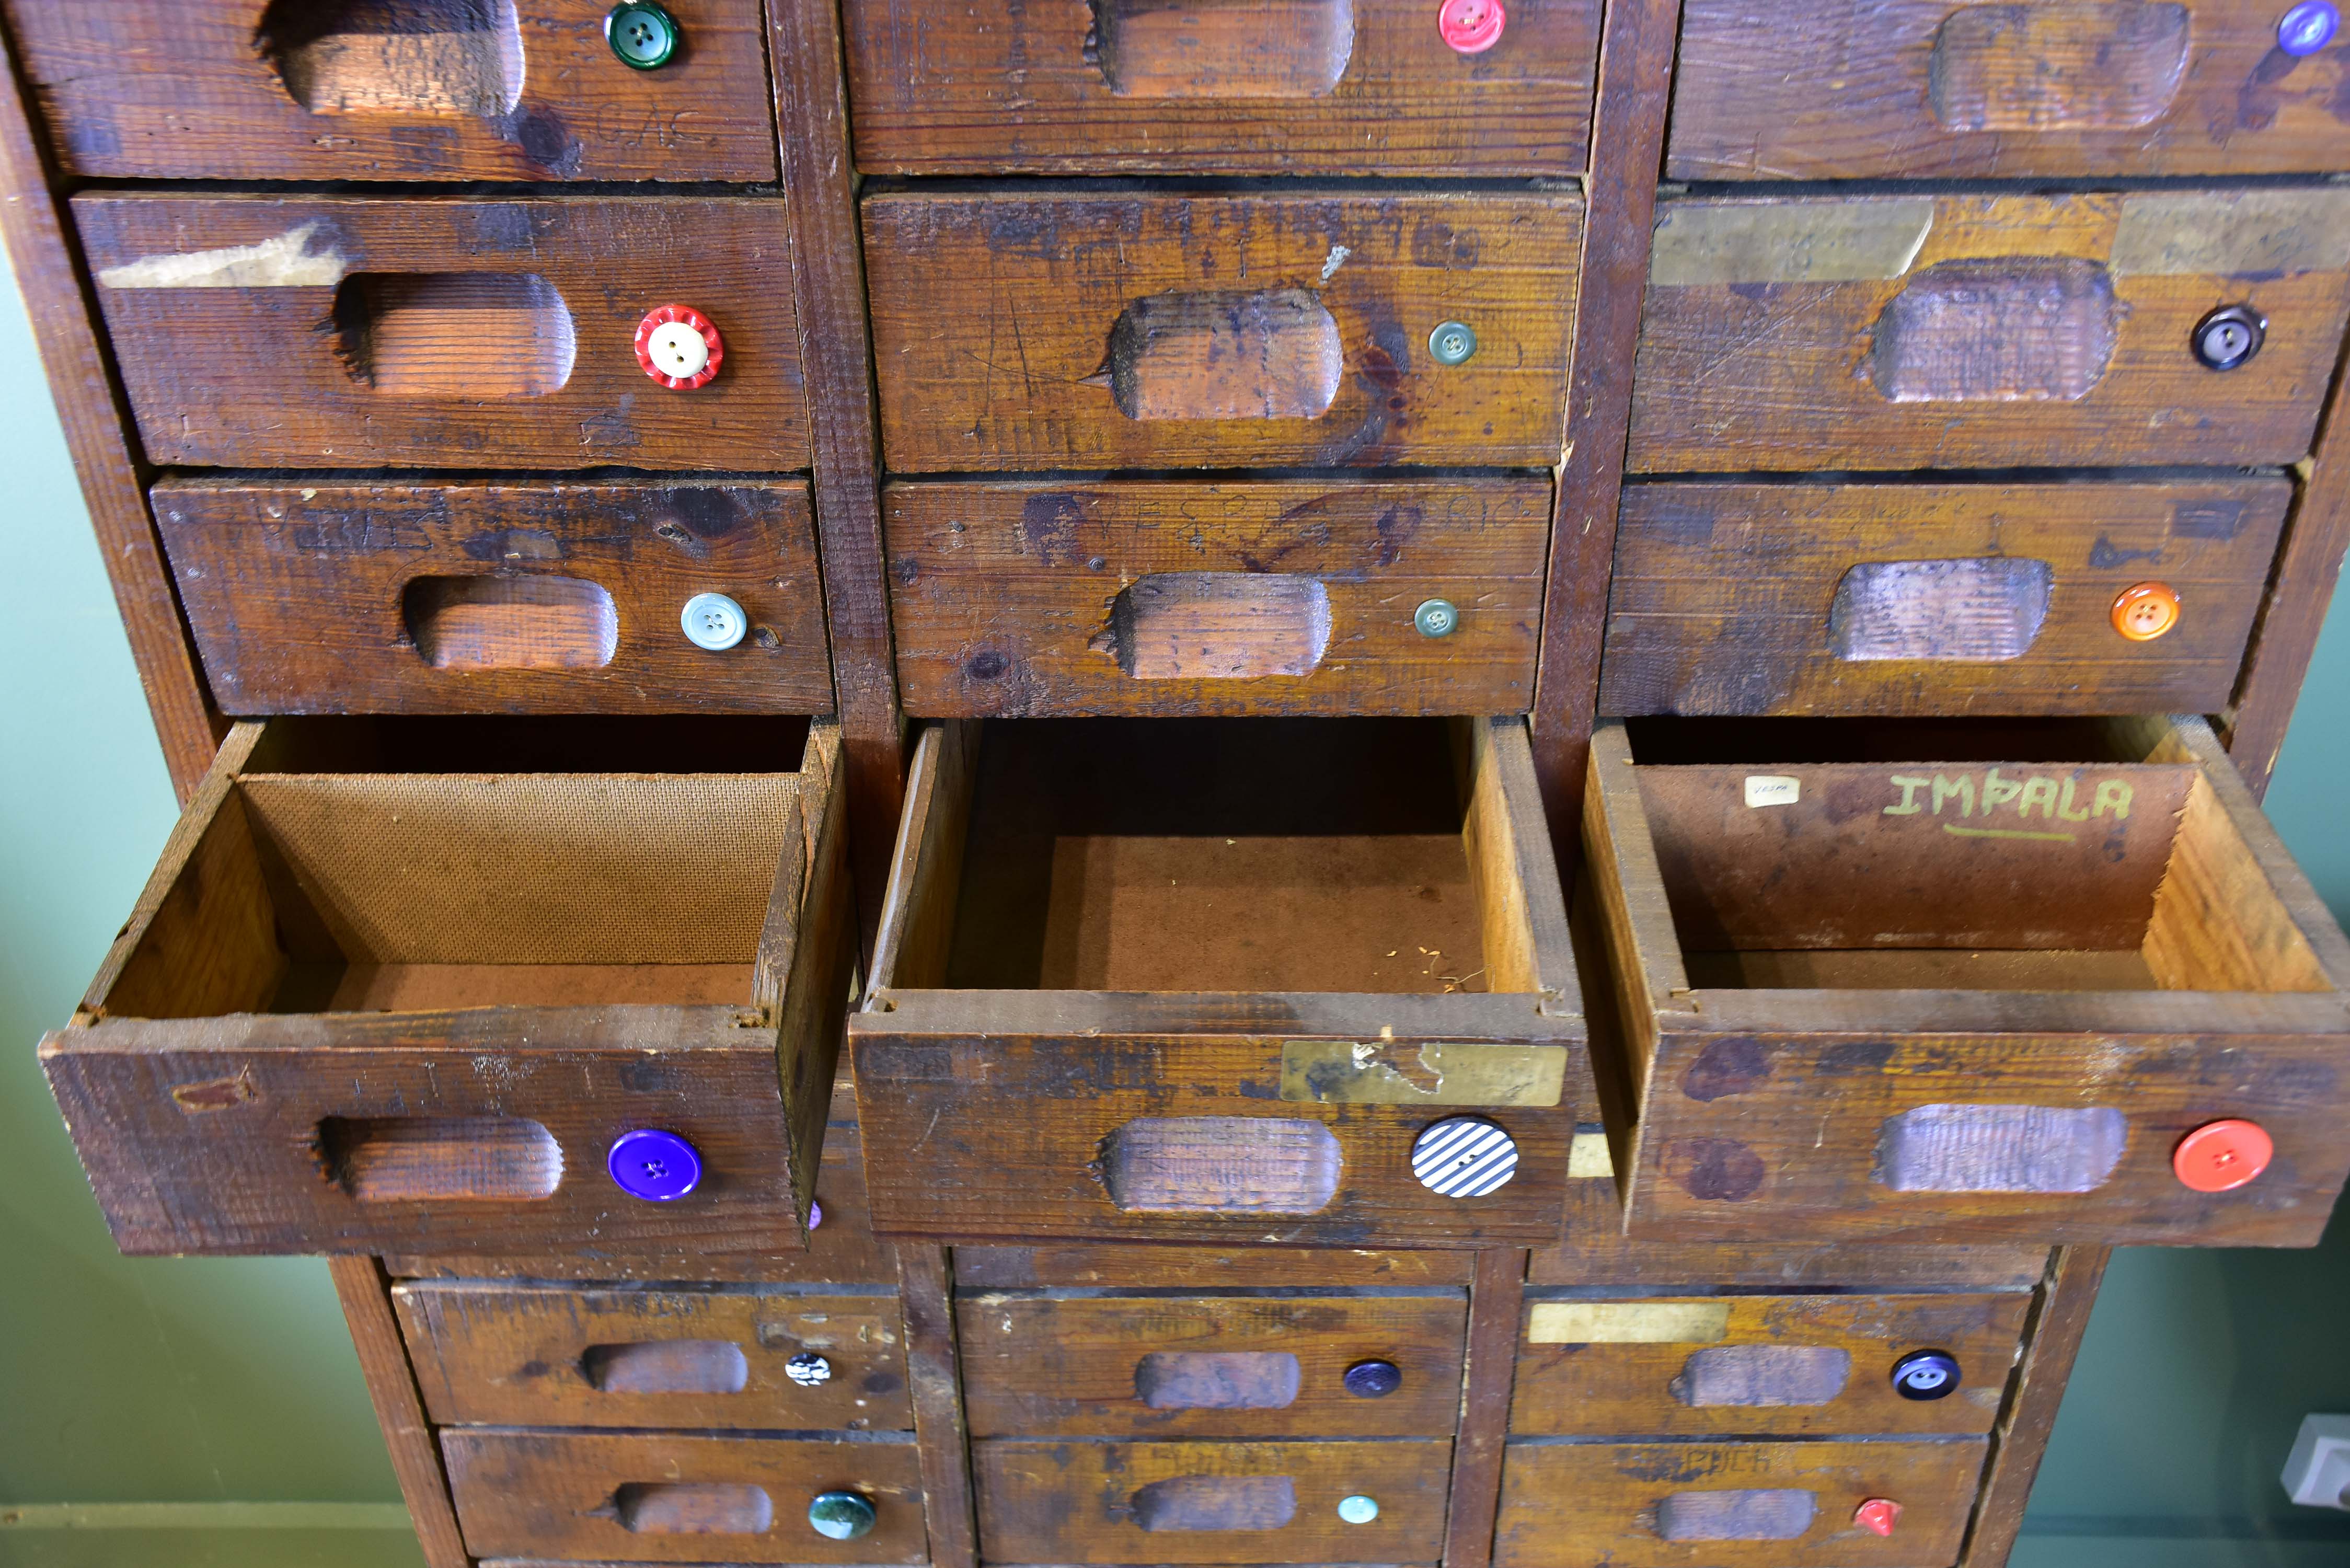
x=1359 y=1508
x=713 y=621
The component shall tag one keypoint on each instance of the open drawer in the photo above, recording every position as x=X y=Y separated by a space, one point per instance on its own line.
x=2061 y=984
x=475 y=986
x=1235 y=982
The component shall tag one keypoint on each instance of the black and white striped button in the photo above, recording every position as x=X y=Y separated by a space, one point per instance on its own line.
x=1462 y=1157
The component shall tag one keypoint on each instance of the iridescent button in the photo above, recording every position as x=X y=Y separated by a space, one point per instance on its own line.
x=841 y=1515
x=656 y=1166
x=1359 y=1508
x=2219 y=1156
x=1373 y=1380
x=2308 y=27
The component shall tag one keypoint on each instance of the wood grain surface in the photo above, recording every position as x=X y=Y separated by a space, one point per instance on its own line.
x=1229 y=1502
x=1207 y=1366
x=1860 y=88
x=1300 y=87
x=996 y=325
x=1832 y=1357
x=543 y=1356
x=432 y=598
x=2017 y=330
x=1725 y=596
x=296 y=283
x=362 y=1291
x=1113 y=1266
x=1036 y=597
x=156 y=91
x=1479 y=1452
x=1571 y=1504
x=2020 y=1439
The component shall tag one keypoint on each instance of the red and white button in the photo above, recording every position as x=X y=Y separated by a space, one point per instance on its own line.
x=678 y=348
x=2219 y=1156
x=1472 y=27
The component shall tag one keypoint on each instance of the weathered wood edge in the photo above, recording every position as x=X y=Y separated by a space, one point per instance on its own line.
x=816 y=996
x=1505 y=752
x=2021 y=1438
x=926 y=870
x=1627 y=149
x=98 y=429
x=926 y=1296
x=1495 y=1294
x=363 y=1288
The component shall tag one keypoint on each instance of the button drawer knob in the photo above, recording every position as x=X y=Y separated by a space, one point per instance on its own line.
x=713 y=621
x=2308 y=26
x=1359 y=1508
x=1452 y=343
x=1472 y=27
x=677 y=345
x=2143 y=611
x=2222 y=1156
x=1463 y=1156
x=1926 y=1375
x=656 y=1166
x=808 y=1369
x=1373 y=1380
x=642 y=34
x=1436 y=617
x=841 y=1515
x=2230 y=336
x=1877 y=1515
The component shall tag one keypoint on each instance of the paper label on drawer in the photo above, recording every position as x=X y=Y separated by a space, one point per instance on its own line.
x=1773 y=789
x=1391 y=1072
x=1627 y=1322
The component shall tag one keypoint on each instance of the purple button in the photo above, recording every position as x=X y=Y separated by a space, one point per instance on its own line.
x=656 y=1166
x=2308 y=26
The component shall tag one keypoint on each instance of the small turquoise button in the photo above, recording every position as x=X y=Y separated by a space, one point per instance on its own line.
x=642 y=34
x=1359 y=1508
x=841 y=1515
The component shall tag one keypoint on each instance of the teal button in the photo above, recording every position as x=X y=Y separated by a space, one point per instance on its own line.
x=841 y=1515
x=1436 y=617
x=641 y=32
x=1452 y=343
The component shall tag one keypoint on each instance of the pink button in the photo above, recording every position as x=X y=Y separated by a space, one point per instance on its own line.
x=1472 y=27
x=2219 y=1156
x=1877 y=1515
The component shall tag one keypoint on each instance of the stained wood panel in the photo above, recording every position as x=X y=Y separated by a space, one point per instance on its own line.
x=1759 y=1365
x=344 y=89
x=303 y=300
x=1315 y=86
x=1897 y=332
x=1033 y=597
x=1237 y=1366
x=1733 y=598
x=546 y=1356
x=1733 y=1505
x=1045 y=328
x=496 y=598
x=1861 y=89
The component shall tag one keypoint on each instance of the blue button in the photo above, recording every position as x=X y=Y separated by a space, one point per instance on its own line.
x=656 y=1166
x=2308 y=26
x=1926 y=1375
x=1373 y=1380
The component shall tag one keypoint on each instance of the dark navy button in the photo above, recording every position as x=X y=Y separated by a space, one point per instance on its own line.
x=2229 y=336
x=1373 y=1380
x=1926 y=1375
x=2308 y=27
x=656 y=1166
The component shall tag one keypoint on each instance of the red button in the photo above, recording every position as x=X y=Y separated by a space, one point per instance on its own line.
x=677 y=346
x=1877 y=1515
x=2221 y=1156
x=1472 y=27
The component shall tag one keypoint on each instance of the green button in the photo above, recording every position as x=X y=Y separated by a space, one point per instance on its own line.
x=641 y=32
x=1436 y=617
x=1452 y=343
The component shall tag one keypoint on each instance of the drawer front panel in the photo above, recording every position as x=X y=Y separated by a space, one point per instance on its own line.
x=1986 y=331
x=1099 y=1137
x=1065 y=331
x=1932 y=599
x=1111 y=1266
x=428 y=333
x=546 y=1356
x=429 y=598
x=1733 y=1505
x=449 y=90
x=1162 y=598
x=1760 y=1366
x=1858 y=88
x=660 y=1498
x=1235 y=1367
x=1298 y=86
x=402 y=1132
x=1210 y=1502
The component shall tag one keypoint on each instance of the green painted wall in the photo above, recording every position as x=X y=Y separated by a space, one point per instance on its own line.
x=232 y=1381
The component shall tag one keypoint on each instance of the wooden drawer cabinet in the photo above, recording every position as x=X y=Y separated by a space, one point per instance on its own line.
x=743 y=1358
x=2082 y=996
x=1222 y=1366
x=1112 y=1266
x=2062 y=88
x=1733 y=1505
x=1836 y=598
x=445 y=332
x=513 y=598
x=1922 y=331
x=678 y=1497
x=1210 y=1502
x=1297 y=87
x=365 y=1006
x=1036 y=597
x=1237 y=982
x=1042 y=328
x=442 y=89
x=1759 y=1365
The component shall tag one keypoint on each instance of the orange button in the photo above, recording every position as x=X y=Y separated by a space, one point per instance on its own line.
x=2143 y=611
x=2219 y=1156
x=1877 y=1515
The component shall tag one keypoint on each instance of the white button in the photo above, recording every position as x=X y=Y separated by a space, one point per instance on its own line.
x=678 y=350
x=713 y=621
x=1359 y=1508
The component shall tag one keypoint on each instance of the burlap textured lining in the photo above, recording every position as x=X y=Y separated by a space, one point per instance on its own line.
x=571 y=868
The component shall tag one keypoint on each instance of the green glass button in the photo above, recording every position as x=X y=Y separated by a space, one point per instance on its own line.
x=1452 y=342
x=1436 y=617
x=841 y=1515
x=641 y=32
